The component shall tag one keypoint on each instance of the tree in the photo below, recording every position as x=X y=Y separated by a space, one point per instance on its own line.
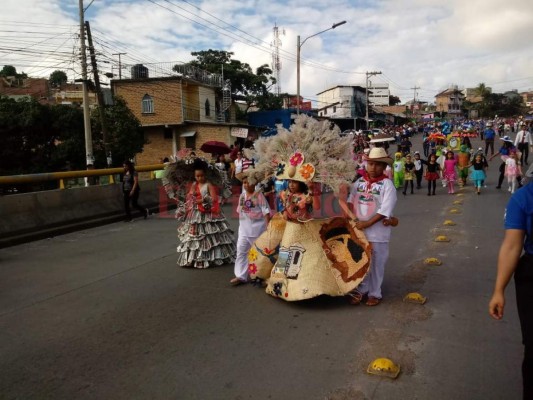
x=125 y=135
x=394 y=100
x=245 y=84
x=57 y=78
x=10 y=70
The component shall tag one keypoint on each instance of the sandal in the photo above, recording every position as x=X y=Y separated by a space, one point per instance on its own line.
x=355 y=298
x=372 y=301
x=236 y=281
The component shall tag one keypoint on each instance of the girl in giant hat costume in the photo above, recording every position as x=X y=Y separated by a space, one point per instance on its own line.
x=204 y=235
x=300 y=257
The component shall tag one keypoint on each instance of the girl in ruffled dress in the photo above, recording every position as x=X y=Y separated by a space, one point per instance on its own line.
x=512 y=171
x=204 y=234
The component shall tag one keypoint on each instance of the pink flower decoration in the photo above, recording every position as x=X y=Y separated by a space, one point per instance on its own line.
x=296 y=159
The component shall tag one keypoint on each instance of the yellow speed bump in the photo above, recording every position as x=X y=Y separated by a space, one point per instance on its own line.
x=415 y=298
x=458 y=202
x=442 y=238
x=432 y=261
x=383 y=367
x=455 y=211
x=459 y=194
x=449 y=222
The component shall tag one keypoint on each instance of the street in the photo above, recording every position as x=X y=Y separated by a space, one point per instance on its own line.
x=105 y=313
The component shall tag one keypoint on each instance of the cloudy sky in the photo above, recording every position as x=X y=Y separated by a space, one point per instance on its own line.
x=430 y=44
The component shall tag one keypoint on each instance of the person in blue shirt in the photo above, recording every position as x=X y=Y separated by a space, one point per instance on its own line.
x=489 y=139
x=518 y=237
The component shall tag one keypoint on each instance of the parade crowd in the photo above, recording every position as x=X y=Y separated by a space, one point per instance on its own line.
x=287 y=246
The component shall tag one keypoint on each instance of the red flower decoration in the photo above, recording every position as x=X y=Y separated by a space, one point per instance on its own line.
x=252 y=268
x=268 y=251
x=296 y=159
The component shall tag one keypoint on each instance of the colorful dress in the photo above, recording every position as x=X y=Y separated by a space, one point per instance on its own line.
x=204 y=235
x=398 y=168
x=449 y=170
x=478 y=174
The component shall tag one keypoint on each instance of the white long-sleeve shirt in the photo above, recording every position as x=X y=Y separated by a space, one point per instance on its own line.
x=525 y=135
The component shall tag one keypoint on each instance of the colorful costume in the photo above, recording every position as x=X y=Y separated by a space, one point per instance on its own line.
x=299 y=257
x=204 y=235
x=398 y=168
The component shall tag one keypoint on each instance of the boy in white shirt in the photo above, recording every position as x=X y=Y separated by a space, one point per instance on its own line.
x=372 y=199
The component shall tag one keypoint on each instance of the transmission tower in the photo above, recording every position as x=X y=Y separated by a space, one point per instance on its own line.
x=276 y=61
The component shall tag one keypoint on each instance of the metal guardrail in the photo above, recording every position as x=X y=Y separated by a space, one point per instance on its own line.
x=61 y=176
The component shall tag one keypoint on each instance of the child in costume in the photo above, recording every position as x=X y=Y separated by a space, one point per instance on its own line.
x=432 y=173
x=203 y=233
x=463 y=162
x=398 y=168
x=512 y=171
x=409 y=173
x=373 y=198
x=298 y=256
x=419 y=169
x=254 y=215
x=478 y=172
x=297 y=203
x=449 y=173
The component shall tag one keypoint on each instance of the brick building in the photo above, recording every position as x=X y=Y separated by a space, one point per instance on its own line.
x=450 y=101
x=176 y=112
x=36 y=88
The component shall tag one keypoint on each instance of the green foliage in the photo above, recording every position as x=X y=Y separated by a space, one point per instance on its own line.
x=10 y=70
x=245 y=84
x=57 y=78
x=38 y=138
x=125 y=135
x=393 y=100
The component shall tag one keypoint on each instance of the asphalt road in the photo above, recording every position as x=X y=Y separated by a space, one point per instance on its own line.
x=105 y=313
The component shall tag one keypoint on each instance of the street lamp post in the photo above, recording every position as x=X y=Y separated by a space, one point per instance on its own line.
x=298 y=48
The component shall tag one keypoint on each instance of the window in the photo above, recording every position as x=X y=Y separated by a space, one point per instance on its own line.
x=190 y=142
x=334 y=109
x=207 y=108
x=147 y=105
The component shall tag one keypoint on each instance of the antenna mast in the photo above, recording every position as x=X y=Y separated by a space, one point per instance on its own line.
x=276 y=61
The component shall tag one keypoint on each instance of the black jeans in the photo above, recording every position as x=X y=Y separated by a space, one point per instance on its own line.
x=524 y=149
x=133 y=198
x=523 y=278
x=489 y=143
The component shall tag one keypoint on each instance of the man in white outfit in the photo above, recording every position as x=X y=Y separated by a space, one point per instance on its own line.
x=523 y=142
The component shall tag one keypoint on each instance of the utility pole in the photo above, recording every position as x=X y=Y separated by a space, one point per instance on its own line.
x=368 y=75
x=86 y=112
x=99 y=93
x=119 y=63
x=414 y=98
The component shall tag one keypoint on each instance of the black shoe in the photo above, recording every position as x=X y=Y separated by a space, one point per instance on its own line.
x=403 y=193
x=498 y=187
x=429 y=194
x=412 y=192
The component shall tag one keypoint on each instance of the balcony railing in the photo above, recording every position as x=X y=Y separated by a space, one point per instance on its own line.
x=191 y=114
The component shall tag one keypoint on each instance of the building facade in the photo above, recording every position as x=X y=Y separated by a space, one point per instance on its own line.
x=342 y=102
x=450 y=101
x=175 y=113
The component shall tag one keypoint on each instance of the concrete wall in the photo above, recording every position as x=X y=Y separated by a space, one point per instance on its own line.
x=29 y=213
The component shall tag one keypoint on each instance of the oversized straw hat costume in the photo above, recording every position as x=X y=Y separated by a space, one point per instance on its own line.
x=320 y=256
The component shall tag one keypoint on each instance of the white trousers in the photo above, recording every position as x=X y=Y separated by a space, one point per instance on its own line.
x=374 y=278
x=244 y=244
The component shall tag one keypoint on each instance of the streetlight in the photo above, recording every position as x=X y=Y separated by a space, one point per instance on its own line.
x=298 y=47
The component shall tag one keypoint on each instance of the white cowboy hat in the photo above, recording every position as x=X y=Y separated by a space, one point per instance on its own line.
x=506 y=139
x=379 y=154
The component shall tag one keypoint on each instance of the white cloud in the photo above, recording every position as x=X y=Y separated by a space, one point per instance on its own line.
x=427 y=43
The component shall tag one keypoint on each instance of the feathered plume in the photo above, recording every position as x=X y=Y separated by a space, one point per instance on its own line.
x=320 y=144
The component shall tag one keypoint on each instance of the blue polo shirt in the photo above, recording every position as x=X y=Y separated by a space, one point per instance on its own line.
x=489 y=133
x=519 y=214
